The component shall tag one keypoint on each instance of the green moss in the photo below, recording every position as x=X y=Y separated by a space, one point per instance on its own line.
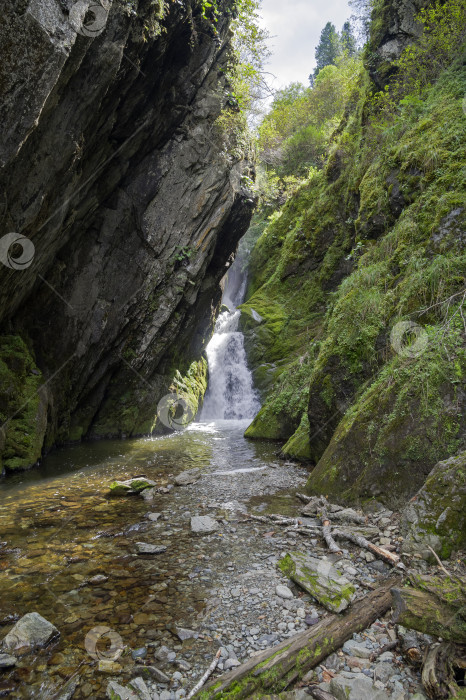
x=298 y=447
x=23 y=405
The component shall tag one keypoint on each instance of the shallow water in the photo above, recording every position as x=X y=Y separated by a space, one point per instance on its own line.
x=58 y=528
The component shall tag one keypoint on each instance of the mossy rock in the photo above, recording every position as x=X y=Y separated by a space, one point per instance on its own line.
x=23 y=406
x=436 y=516
x=298 y=446
x=136 y=485
x=319 y=578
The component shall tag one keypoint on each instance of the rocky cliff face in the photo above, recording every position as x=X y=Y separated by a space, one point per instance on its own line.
x=116 y=170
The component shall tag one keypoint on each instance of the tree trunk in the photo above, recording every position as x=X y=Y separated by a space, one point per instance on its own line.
x=277 y=668
x=438 y=676
x=424 y=612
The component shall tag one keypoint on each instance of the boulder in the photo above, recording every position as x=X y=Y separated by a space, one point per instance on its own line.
x=32 y=630
x=139 y=686
x=135 y=485
x=359 y=688
x=436 y=516
x=319 y=578
x=148 y=494
x=203 y=525
x=188 y=477
x=146 y=548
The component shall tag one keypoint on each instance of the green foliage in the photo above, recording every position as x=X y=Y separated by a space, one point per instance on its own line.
x=296 y=134
x=420 y=64
x=328 y=49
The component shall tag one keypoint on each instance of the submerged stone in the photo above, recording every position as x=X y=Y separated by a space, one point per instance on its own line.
x=203 y=524
x=136 y=485
x=319 y=578
x=115 y=691
x=146 y=548
x=188 y=477
x=32 y=630
x=6 y=661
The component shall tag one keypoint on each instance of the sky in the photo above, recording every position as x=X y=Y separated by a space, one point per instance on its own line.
x=295 y=26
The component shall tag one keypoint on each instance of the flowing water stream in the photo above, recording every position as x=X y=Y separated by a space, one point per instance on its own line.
x=59 y=529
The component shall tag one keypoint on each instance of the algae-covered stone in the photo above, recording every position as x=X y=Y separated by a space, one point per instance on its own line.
x=319 y=578
x=32 y=630
x=136 y=485
x=436 y=516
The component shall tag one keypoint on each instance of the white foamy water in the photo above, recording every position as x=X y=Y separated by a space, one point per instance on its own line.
x=230 y=394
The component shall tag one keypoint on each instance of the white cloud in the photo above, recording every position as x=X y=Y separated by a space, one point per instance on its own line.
x=295 y=26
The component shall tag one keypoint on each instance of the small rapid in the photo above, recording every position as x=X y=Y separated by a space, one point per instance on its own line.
x=230 y=394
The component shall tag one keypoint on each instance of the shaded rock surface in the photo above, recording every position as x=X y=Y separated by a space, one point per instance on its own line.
x=436 y=516
x=118 y=172
x=32 y=630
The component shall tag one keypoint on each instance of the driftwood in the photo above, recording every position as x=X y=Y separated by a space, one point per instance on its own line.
x=205 y=677
x=438 y=672
x=384 y=554
x=382 y=650
x=279 y=667
x=327 y=533
x=425 y=613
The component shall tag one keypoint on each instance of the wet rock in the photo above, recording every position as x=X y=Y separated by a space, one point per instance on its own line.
x=203 y=524
x=32 y=630
x=153 y=516
x=358 y=688
x=146 y=548
x=67 y=692
x=149 y=494
x=319 y=578
x=156 y=673
x=140 y=653
x=136 y=485
x=231 y=663
x=188 y=477
x=182 y=633
x=115 y=691
x=138 y=684
x=100 y=578
x=284 y=592
x=6 y=661
x=109 y=666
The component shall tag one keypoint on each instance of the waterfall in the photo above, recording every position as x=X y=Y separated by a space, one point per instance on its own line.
x=230 y=394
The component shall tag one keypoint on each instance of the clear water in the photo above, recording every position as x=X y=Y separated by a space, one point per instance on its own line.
x=59 y=528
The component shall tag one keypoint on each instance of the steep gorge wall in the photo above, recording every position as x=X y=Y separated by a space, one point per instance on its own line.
x=117 y=169
x=368 y=248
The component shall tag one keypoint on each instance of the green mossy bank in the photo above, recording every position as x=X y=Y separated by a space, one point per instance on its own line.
x=354 y=317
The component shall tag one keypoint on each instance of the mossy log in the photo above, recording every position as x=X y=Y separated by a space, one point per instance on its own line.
x=279 y=667
x=425 y=613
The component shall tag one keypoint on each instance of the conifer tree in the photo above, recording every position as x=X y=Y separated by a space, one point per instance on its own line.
x=348 y=40
x=328 y=49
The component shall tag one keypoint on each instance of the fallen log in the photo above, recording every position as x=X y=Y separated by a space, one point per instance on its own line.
x=361 y=541
x=412 y=645
x=279 y=667
x=424 y=612
x=438 y=672
x=205 y=677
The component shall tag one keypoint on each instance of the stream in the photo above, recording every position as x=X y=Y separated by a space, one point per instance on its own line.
x=68 y=550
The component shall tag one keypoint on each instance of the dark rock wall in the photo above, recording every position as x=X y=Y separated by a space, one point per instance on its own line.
x=116 y=170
